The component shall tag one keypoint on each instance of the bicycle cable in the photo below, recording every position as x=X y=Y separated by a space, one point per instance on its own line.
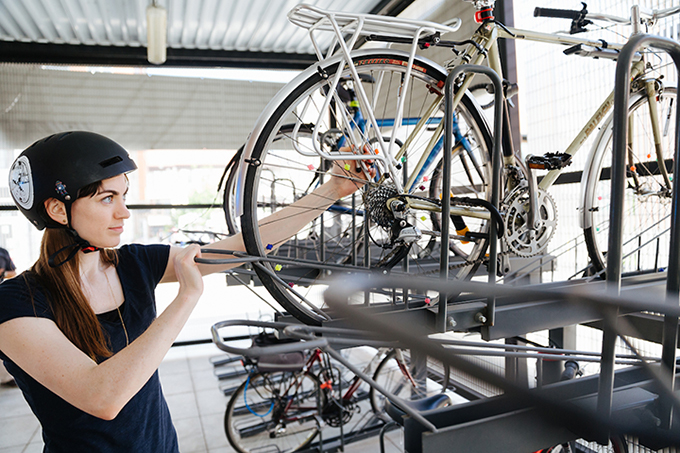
x=245 y=401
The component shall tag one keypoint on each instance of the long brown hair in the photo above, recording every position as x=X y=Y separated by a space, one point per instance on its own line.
x=72 y=312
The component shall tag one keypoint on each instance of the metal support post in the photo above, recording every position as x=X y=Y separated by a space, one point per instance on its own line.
x=614 y=254
x=441 y=323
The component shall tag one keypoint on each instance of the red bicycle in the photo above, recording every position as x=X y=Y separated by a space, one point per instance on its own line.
x=288 y=398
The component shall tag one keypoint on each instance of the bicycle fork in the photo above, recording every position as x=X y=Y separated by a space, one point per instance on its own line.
x=652 y=88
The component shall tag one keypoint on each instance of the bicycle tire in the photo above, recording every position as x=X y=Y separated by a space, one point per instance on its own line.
x=647 y=200
x=465 y=184
x=229 y=194
x=482 y=87
x=261 y=414
x=388 y=67
x=389 y=375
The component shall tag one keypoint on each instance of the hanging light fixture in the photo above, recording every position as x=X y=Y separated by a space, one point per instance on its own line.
x=156 y=33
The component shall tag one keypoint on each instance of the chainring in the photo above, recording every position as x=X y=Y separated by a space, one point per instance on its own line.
x=337 y=412
x=518 y=237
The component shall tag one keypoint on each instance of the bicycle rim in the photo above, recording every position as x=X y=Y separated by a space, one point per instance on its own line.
x=647 y=203
x=273 y=412
x=389 y=375
x=229 y=194
x=346 y=234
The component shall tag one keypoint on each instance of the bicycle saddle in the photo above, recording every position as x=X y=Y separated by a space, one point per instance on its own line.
x=420 y=405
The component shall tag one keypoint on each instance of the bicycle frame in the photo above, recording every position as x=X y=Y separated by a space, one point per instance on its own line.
x=354 y=25
x=327 y=385
x=488 y=35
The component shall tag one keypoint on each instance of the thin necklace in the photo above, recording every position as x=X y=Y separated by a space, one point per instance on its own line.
x=127 y=339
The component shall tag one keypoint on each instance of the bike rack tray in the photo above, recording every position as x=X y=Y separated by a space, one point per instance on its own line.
x=628 y=382
x=519 y=428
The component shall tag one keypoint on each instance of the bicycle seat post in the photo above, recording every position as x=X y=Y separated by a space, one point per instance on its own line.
x=635 y=18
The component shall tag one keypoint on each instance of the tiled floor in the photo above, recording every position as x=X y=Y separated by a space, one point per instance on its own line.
x=192 y=390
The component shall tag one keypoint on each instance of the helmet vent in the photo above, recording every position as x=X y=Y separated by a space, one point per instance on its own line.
x=111 y=161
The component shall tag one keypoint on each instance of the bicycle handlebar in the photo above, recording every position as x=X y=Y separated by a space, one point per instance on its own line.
x=257 y=351
x=559 y=13
x=647 y=14
x=341 y=337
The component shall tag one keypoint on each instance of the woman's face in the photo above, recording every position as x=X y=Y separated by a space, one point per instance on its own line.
x=99 y=219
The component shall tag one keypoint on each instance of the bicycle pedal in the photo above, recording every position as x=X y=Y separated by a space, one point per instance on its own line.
x=473 y=236
x=549 y=161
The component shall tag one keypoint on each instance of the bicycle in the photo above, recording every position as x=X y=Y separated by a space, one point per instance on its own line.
x=286 y=400
x=335 y=140
x=399 y=210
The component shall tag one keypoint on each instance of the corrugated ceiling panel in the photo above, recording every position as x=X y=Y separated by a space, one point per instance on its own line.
x=240 y=25
x=141 y=112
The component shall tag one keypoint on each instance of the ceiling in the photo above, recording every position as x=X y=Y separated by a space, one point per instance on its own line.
x=225 y=33
x=83 y=51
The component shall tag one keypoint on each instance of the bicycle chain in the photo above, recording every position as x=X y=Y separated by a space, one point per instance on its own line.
x=478 y=261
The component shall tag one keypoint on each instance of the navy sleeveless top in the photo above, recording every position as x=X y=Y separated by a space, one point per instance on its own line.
x=144 y=424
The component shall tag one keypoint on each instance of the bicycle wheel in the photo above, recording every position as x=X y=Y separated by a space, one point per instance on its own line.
x=229 y=195
x=274 y=412
x=390 y=375
x=647 y=203
x=355 y=234
x=468 y=183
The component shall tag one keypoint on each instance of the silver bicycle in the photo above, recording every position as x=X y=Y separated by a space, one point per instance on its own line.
x=392 y=101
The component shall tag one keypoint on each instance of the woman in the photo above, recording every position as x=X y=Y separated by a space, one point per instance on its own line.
x=79 y=330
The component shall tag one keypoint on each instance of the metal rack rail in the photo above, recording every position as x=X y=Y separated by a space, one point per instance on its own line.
x=610 y=402
x=618 y=184
x=520 y=412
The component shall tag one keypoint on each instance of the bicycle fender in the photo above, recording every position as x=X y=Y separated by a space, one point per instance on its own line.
x=286 y=91
x=593 y=164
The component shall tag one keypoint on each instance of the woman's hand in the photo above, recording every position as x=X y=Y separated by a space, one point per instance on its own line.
x=348 y=175
x=186 y=270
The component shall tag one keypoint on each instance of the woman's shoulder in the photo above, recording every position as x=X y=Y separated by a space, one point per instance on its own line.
x=22 y=295
x=22 y=283
x=143 y=261
x=143 y=250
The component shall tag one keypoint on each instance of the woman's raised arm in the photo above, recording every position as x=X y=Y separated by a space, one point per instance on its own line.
x=276 y=231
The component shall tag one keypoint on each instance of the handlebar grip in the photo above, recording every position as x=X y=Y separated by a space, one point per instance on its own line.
x=561 y=13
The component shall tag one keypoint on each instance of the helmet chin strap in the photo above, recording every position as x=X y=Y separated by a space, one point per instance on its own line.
x=78 y=245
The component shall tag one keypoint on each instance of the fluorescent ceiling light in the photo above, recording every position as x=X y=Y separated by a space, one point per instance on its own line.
x=156 y=33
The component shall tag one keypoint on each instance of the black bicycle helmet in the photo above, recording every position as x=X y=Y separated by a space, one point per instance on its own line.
x=59 y=166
